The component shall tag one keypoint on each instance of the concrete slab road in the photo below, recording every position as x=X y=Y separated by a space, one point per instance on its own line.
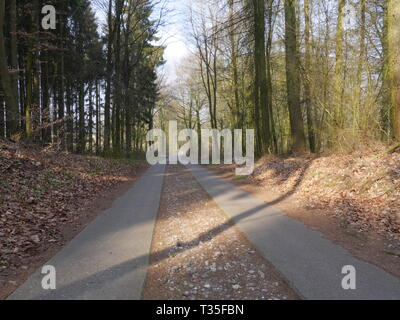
x=109 y=259
x=310 y=263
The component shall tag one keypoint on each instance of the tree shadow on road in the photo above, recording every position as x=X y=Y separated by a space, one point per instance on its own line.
x=101 y=279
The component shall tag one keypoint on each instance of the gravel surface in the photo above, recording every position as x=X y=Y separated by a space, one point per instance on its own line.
x=198 y=254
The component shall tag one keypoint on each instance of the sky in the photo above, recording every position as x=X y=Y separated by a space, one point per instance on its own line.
x=173 y=37
x=171 y=34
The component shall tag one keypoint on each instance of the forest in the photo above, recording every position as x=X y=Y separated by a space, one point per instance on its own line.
x=83 y=214
x=83 y=87
x=309 y=76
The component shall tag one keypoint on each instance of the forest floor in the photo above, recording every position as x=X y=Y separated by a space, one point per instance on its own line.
x=195 y=246
x=46 y=199
x=354 y=200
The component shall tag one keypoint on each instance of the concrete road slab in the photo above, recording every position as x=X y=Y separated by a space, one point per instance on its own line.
x=108 y=260
x=310 y=263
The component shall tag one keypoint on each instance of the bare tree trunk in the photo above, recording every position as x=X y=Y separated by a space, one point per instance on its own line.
x=256 y=109
x=97 y=117
x=207 y=50
x=361 y=61
x=261 y=69
x=117 y=80
x=22 y=91
x=2 y=109
x=61 y=87
x=234 y=66
x=14 y=59
x=107 y=106
x=307 y=65
x=6 y=79
x=32 y=83
x=46 y=131
x=90 y=128
x=70 y=121
x=81 y=121
x=393 y=59
x=293 y=78
x=36 y=71
x=274 y=141
x=339 y=69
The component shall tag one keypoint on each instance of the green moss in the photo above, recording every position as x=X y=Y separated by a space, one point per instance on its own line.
x=392 y=253
x=241 y=177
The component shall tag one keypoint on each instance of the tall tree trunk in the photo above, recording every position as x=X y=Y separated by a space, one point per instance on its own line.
x=274 y=141
x=91 y=109
x=261 y=69
x=2 y=124
x=54 y=126
x=339 y=69
x=6 y=79
x=61 y=87
x=357 y=123
x=81 y=121
x=215 y=79
x=70 y=119
x=28 y=99
x=31 y=71
x=14 y=59
x=117 y=80
x=256 y=110
x=307 y=69
x=97 y=117
x=234 y=66
x=45 y=112
x=393 y=60
x=128 y=128
x=293 y=78
x=22 y=91
x=107 y=106
x=36 y=69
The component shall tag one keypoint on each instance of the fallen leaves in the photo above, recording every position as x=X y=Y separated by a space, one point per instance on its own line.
x=41 y=192
x=198 y=254
x=362 y=189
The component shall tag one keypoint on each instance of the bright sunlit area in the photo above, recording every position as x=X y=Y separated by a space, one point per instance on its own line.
x=216 y=158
